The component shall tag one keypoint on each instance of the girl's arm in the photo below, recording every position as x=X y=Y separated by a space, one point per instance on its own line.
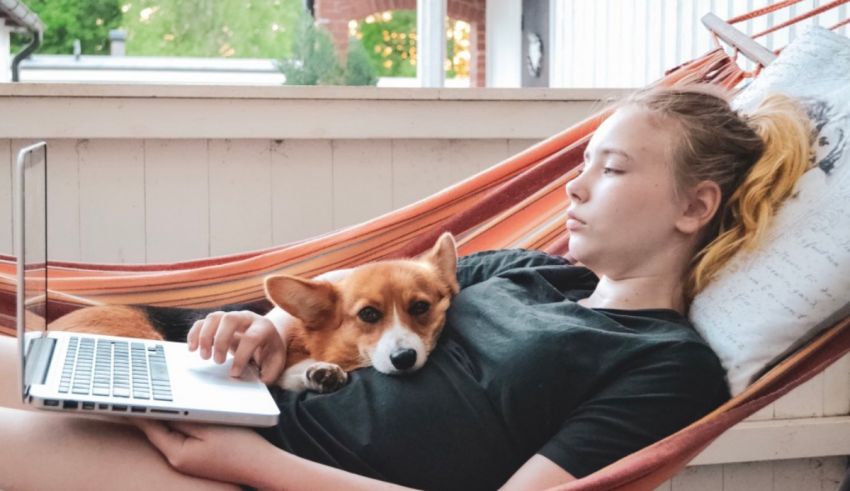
x=537 y=473
x=291 y=472
x=240 y=455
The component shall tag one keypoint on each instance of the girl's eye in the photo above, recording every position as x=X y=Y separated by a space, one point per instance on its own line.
x=370 y=315
x=609 y=170
x=419 y=307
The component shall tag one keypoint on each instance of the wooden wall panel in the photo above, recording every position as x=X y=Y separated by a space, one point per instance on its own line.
x=362 y=180
x=836 y=388
x=424 y=167
x=112 y=201
x=818 y=474
x=302 y=189
x=699 y=478
x=802 y=402
x=177 y=200
x=763 y=413
x=516 y=146
x=6 y=210
x=748 y=477
x=239 y=195
x=63 y=201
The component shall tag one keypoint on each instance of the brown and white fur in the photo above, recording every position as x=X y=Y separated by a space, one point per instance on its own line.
x=385 y=314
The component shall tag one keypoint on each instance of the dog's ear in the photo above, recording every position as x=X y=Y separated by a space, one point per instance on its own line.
x=443 y=256
x=313 y=302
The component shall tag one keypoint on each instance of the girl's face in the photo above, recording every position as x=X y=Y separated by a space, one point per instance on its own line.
x=623 y=208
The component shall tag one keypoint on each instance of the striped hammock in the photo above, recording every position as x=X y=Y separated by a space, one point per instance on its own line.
x=520 y=202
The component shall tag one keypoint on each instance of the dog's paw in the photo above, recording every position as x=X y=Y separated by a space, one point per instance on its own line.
x=325 y=377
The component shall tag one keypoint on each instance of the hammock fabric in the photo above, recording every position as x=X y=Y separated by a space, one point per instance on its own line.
x=517 y=203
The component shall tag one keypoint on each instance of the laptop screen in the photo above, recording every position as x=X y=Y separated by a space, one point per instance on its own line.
x=31 y=246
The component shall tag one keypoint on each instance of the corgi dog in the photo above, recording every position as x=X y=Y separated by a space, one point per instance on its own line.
x=385 y=314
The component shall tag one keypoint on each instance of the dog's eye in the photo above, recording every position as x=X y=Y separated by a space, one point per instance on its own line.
x=370 y=315
x=419 y=307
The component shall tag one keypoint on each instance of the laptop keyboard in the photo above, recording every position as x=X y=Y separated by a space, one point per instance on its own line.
x=103 y=367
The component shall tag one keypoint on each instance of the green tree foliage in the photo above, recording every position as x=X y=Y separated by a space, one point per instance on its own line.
x=313 y=60
x=211 y=28
x=391 y=44
x=67 y=20
x=358 y=68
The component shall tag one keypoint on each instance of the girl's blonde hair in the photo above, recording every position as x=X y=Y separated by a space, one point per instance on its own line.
x=755 y=158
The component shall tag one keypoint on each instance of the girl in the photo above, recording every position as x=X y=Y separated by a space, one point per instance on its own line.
x=546 y=370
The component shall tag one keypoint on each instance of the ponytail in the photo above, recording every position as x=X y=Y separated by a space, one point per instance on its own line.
x=785 y=131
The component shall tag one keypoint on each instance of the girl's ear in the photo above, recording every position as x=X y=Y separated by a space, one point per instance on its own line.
x=699 y=207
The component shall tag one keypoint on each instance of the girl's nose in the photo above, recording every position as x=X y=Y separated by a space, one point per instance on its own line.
x=576 y=189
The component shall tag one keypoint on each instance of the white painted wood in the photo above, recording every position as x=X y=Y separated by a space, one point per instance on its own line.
x=757 y=476
x=5 y=55
x=763 y=413
x=698 y=478
x=63 y=201
x=737 y=39
x=779 y=439
x=362 y=180
x=239 y=195
x=504 y=42
x=430 y=42
x=596 y=43
x=817 y=474
x=599 y=16
x=424 y=167
x=472 y=156
x=6 y=210
x=515 y=146
x=112 y=201
x=277 y=118
x=797 y=474
x=302 y=189
x=176 y=200
x=804 y=401
x=835 y=470
x=836 y=388
x=664 y=487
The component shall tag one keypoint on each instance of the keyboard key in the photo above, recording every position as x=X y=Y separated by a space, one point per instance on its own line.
x=121 y=392
x=100 y=391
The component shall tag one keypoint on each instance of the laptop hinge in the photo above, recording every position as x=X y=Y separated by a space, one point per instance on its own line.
x=38 y=361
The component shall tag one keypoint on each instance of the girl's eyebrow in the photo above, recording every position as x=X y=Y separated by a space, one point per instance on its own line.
x=607 y=151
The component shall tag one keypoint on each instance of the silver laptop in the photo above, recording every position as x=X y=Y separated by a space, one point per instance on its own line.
x=87 y=373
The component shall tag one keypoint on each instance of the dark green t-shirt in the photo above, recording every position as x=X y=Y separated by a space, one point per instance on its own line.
x=520 y=369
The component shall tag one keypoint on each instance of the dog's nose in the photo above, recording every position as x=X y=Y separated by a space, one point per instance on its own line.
x=403 y=359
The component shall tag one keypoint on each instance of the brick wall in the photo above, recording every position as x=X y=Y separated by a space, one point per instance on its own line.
x=334 y=15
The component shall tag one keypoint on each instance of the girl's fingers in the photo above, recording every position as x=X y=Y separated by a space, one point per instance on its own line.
x=207 y=334
x=248 y=343
x=193 y=334
x=229 y=324
x=272 y=366
x=160 y=435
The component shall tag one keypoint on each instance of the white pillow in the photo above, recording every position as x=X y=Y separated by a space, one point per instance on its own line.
x=766 y=303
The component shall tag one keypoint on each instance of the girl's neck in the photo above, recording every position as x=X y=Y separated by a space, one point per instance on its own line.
x=639 y=292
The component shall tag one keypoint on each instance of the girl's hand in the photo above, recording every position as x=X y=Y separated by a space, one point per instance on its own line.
x=223 y=453
x=249 y=336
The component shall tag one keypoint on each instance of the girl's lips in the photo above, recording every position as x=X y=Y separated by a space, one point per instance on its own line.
x=574 y=224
